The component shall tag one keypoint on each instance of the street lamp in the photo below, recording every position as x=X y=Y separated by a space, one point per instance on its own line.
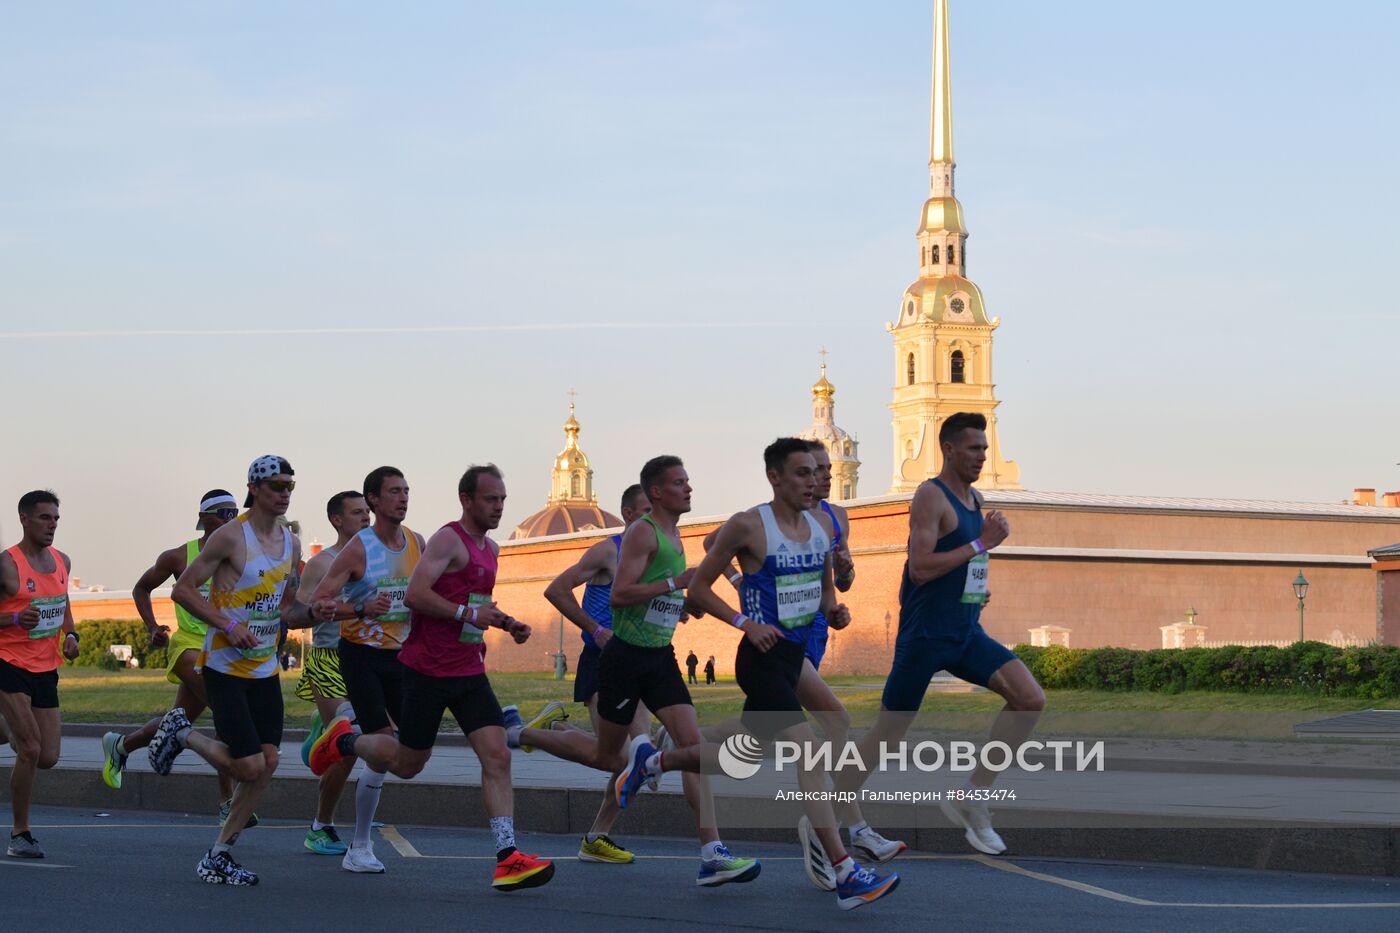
x=1191 y=614
x=561 y=661
x=1300 y=590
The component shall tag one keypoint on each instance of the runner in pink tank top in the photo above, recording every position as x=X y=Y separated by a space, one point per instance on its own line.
x=449 y=597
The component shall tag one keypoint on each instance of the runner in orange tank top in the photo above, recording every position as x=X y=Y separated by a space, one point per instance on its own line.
x=36 y=634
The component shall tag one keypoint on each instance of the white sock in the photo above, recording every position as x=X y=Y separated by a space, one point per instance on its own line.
x=504 y=828
x=592 y=837
x=221 y=847
x=367 y=790
x=844 y=868
x=317 y=825
x=346 y=710
x=858 y=828
x=653 y=764
x=710 y=850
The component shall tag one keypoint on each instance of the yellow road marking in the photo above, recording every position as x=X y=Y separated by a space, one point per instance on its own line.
x=1015 y=869
x=400 y=844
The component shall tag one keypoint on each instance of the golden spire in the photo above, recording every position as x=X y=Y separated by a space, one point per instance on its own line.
x=940 y=148
x=572 y=479
x=822 y=388
x=571 y=427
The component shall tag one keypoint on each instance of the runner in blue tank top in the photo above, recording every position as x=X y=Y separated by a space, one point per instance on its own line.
x=593 y=617
x=944 y=587
x=783 y=548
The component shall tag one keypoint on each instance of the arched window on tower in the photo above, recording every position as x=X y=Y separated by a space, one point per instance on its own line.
x=909 y=369
x=959 y=367
x=964 y=259
x=933 y=254
x=952 y=254
x=577 y=486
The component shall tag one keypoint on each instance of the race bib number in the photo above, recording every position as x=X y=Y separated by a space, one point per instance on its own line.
x=266 y=626
x=799 y=597
x=664 y=611
x=51 y=613
x=472 y=635
x=975 y=589
x=396 y=589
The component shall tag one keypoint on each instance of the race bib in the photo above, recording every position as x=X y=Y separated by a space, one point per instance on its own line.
x=665 y=610
x=472 y=635
x=51 y=613
x=266 y=626
x=975 y=589
x=396 y=589
x=799 y=598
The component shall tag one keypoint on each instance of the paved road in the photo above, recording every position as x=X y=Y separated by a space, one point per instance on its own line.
x=135 y=871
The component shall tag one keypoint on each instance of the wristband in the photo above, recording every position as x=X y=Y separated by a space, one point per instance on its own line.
x=461 y=611
x=978 y=547
x=670 y=584
x=474 y=616
x=736 y=577
x=738 y=620
x=73 y=634
x=14 y=619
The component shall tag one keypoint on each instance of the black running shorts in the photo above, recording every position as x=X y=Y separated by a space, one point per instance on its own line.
x=41 y=688
x=374 y=681
x=769 y=681
x=628 y=673
x=472 y=702
x=586 y=674
x=247 y=711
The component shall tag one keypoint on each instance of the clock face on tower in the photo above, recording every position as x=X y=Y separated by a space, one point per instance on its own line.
x=957 y=305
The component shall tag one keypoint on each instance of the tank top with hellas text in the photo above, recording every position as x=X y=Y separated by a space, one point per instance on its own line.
x=256 y=601
x=441 y=647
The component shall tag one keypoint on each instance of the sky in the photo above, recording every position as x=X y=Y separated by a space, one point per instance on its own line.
x=357 y=233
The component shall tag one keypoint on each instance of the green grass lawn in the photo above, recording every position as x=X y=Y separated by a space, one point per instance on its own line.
x=91 y=695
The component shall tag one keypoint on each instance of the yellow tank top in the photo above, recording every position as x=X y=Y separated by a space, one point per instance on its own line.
x=256 y=601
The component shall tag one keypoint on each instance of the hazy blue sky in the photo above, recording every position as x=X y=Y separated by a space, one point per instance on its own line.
x=1183 y=213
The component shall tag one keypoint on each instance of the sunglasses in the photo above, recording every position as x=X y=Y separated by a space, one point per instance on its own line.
x=280 y=485
x=227 y=515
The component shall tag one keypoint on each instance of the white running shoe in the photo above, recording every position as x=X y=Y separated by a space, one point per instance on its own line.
x=814 y=858
x=361 y=859
x=876 y=847
x=973 y=817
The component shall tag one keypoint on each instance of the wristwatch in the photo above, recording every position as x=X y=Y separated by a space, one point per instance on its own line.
x=360 y=610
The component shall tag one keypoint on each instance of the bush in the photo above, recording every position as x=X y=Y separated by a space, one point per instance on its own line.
x=95 y=636
x=1371 y=672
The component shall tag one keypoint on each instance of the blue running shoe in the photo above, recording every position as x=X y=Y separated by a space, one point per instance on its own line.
x=325 y=841
x=724 y=868
x=864 y=886
x=165 y=746
x=312 y=734
x=631 y=778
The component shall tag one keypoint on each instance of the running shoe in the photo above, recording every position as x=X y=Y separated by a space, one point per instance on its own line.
x=976 y=821
x=724 y=868
x=518 y=870
x=24 y=846
x=220 y=868
x=165 y=745
x=545 y=719
x=325 y=841
x=361 y=859
x=226 y=807
x=634 y=774
x=325 y=751
x=312 y=734
x=864 y=886
x=113 y=760
x=814 y=859
x=876 y=847
x=603 y=849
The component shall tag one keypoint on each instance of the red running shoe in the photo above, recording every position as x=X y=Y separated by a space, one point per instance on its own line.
x=519 y=870
x=325 y=751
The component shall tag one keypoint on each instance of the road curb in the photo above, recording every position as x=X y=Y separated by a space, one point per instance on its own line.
x=1328 y=848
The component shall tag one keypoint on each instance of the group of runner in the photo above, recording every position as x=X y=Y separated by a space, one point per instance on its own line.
x=397 y=639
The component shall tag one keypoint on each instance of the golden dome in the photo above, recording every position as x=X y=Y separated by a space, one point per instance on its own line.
x=823 y=388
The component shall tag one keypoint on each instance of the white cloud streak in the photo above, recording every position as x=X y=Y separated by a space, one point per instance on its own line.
x=431 y=329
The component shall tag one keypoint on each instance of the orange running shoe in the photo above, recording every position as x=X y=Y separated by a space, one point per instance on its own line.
x=325 y=751
x=519 y=870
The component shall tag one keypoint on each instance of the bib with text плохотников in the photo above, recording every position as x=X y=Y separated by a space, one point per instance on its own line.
x=395 y=589
x=799 y=597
